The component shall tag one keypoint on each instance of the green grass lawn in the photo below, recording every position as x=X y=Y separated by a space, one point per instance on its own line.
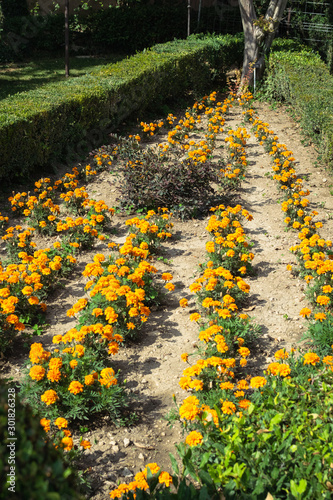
x=25 y=76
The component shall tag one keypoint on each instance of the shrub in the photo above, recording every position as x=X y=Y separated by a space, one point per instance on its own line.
x=40 y=470
x=59 y=122
x=303 y=80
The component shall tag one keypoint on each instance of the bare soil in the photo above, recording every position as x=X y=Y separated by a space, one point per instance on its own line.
x=152 y=365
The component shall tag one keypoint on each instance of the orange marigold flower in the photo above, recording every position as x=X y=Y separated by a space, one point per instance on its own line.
x=257 y=382
x=61 y=423
x=320 y=316
x=166 y=276
x=305 y=312
x=49 y=397
x=165 y=478
x=228 y=407
x=244 y=403
x=194 y=438
x=311 y=358
x=85 y=444
x=45 y=424
x=323 y=300
x=195 y=317
x=184 y=357
x=75 y=387
x=281 y=354
x=89 y=380
x=244 y=352
x=226 y=385
x=67 y=443
x=37 y=372
x=183 y=302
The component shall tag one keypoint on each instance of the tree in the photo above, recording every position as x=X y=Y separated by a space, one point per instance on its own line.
x=258 y=36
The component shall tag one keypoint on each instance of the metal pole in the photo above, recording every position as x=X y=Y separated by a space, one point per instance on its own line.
x=67 y=38
x=188 y=17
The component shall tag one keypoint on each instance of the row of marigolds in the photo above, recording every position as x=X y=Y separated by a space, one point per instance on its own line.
x=73 y=380
x=314 y=254
x=247 y=436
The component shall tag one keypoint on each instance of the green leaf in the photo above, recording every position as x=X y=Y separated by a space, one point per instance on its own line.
x=174 y=464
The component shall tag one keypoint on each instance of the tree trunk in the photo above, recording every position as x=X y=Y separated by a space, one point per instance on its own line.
x=258 y=37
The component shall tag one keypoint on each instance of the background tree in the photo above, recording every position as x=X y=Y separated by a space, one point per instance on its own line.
x=258 y=35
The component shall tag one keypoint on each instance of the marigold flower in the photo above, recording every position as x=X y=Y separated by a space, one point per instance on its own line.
x=323 y=300
x=228 y=407
x=195 y=317
x=49 y=397
x=45 y=424
x=67 y=443
x=281 y=354
x=311 y=358
x=305 y=312
x=183 y=302
x=75 y=387
x=244 y=351
x=194 y=438
x=37 y=372
x=320 y=317
x=85 y=444
x=257 y=382
x=165 y=478
x=61 y=423
x=244 y=403
x=166 y=276
x=184 y=357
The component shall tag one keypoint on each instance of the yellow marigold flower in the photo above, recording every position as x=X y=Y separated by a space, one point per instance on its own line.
x=328 y=360
x=61 y=423
x=54 y=375
x=85 y=444
x=323 y=300
x=197 y=385
x=244 y=403
x=311 y=358
x=226 y=385
x=89 y=380
x=184 y=357
x=107 y=377
x=49 y=397
x=37 y=372
x=228 y=407
x=170 y=287
x=244 y=352
x=194 y=438
x=55 y=363
x=195 y=287
x=281 y=354
x=243 y=362
x=210 y=246
x=189 y=409
x=305 y=312
x=242 y=384
x=257 y=382
x=45 y=424
x=183 y=302
x=165 y=478
x=239 y=394
x=154 y=468
x=73 y=364
x=166 y=276
x=75 y=387
x=195 y=317
x=67 y=443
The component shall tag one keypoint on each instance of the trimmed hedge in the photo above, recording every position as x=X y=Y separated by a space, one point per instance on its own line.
x=63 y=120
x=299 y=77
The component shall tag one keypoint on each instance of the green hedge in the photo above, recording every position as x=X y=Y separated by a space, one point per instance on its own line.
x=299 y=77
x=59 y=121
x=30 y=465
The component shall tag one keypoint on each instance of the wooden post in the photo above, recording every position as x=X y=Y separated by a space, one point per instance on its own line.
x=67 y=38
x=188 y=17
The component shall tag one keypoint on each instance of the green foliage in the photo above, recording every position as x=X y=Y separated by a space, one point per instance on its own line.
x=40 y=470
x=303 y=80
x=53 y=123
x=279 y=446
x=320 y=334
